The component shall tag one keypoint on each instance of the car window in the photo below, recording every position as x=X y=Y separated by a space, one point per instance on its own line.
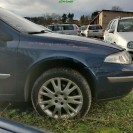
x=109 y=25
x=57 y=28
x=97 y=27
x=4 y=36
x=51 y=27
x=125 y=25
x=68 y=27
x=83 y=28
x=113 y=26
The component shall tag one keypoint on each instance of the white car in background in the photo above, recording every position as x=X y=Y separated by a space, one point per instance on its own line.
x=69 y=29
x=120 y=31
x=94 y=31
x=83 y=28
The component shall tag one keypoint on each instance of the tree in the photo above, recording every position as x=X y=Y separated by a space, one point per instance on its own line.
x=70 y=17
x=82 y=19
x=94 y=14
x=116 y=8
x=46 y=19
x=85 y=20
x=64 y=18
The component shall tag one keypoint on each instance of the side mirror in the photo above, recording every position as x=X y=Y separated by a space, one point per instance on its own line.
x=110 y=31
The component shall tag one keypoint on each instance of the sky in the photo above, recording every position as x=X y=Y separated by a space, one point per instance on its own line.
x=31 y=8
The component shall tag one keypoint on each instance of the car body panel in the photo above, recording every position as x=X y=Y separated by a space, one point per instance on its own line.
x=32 y=52
x=8 y=126
x=112 y=76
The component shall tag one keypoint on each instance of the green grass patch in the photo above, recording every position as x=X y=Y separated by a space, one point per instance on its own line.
x=109 y=117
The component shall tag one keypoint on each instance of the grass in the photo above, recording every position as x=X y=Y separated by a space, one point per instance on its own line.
x=110 y=117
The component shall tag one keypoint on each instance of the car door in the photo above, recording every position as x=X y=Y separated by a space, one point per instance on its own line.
x=112 y=36
x=9 y=40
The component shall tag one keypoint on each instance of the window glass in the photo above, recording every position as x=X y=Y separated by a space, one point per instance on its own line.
x=68 y=27
x=109 y=25
x=83 y=28
x=125 y=25
x=57 y=28
x=4 y=37
x=51 y=27
x=97 y=27
x=114 y=25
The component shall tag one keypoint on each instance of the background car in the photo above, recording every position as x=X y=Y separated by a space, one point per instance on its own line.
x=120 y=31
x=83 y=28
x=94 y=31
x=59 y=74
x=69 y=29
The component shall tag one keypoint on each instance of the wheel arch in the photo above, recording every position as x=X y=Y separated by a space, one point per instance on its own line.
x=40 y=67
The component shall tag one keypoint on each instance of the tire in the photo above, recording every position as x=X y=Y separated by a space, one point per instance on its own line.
x=61 y=93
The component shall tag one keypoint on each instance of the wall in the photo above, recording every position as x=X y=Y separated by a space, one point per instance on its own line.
x=106 y=16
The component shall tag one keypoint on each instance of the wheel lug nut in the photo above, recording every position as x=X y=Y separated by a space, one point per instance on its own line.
x=56 y=101
x=65 y=98
x=56 y=95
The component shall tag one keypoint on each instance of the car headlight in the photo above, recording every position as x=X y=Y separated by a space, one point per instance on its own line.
x=130 y=45
x=119 y=58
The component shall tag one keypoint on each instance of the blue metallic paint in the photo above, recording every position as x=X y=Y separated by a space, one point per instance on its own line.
x=8 y=126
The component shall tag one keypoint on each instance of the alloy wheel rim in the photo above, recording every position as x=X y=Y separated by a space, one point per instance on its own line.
x=60 y=98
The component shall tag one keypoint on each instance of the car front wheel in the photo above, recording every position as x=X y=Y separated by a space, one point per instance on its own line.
x=61 y=93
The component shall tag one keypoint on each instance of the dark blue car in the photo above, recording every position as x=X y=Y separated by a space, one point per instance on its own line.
x=60 y=74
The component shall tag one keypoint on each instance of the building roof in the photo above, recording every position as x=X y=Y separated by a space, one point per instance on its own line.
x=115 y=11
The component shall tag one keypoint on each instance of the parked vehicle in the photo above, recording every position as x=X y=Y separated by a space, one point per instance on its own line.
x=83 y=28
x=94 y=31
x=69 y=29
x=60 y=74
x=8 y=126
x=120 y=31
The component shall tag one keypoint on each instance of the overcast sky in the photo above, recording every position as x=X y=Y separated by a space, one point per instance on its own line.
x=78 y=7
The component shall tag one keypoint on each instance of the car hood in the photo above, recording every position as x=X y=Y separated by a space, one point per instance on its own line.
x=78 y=39
x=127 y=36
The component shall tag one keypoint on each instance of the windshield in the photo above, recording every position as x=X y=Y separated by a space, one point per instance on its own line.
x=83 y=27
x=97 y=27
x=125 y=25
x=19 y=23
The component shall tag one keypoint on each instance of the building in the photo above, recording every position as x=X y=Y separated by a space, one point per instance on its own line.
x=105 y=16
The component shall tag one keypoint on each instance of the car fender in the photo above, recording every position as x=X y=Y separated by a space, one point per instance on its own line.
x=72 y=60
